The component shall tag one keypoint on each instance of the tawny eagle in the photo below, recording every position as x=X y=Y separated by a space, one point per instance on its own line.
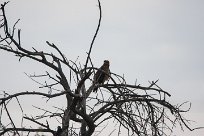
x=101 y=75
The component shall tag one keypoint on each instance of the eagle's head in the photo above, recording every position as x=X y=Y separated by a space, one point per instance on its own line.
x=106 y=62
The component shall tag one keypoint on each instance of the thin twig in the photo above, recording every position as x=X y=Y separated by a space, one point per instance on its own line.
x=94 y=37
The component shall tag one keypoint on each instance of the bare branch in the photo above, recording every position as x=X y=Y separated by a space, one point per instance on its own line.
x=35 y=93
x=27 y=130
x=94 y=37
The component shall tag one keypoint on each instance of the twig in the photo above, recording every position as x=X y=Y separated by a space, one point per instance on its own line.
x=10 y=118
x=94 y=37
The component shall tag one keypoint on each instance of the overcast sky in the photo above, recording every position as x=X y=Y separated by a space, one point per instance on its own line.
x=143 y=39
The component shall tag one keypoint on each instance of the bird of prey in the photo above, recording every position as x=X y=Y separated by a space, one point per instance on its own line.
x=101 y=75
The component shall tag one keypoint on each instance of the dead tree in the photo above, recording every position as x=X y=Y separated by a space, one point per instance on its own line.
x=135 y=108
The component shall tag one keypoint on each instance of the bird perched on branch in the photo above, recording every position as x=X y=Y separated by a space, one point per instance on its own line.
x=101 y=75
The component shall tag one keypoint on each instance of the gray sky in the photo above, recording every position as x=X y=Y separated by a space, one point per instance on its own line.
x=143 y=39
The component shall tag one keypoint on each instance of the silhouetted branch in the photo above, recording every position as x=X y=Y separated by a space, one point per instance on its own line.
x=94 y=37
x=26 y=130
x=33 y=93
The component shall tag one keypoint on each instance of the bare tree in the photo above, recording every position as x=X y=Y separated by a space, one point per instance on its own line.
x=140 y=110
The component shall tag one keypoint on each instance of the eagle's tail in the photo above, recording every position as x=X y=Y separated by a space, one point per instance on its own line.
x=95 y=89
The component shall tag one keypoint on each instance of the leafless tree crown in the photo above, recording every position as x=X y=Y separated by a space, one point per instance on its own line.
x=139 y=110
